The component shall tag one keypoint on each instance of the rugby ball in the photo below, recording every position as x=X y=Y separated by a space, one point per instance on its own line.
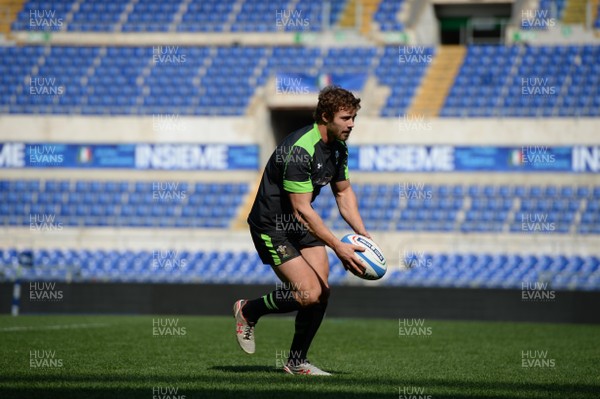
x=372 y=258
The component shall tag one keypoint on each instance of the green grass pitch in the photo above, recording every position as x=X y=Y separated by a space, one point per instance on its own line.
x=197 y=357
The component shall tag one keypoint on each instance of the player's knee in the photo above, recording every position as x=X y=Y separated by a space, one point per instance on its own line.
x=310 y=296
x=325 y=292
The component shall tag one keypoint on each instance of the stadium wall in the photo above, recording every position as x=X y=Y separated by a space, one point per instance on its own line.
x=393 y=244
x=371 y=302
x=127 y=129
x=251 y=129
x=156 y=39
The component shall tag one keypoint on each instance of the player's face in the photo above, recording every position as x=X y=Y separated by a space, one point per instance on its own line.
x=341 y=125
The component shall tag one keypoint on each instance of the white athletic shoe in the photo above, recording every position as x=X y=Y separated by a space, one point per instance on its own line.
x=243 y=330
x=305 y=368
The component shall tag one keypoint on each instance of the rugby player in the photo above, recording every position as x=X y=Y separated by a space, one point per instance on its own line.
x=290 y=236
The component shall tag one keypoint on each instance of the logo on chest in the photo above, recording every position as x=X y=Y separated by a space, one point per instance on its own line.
x=322 y=175
x=324 y=169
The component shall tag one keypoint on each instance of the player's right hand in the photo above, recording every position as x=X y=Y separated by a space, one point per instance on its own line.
x=345 y=252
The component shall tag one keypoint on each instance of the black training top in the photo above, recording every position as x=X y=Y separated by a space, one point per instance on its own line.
x=301 y=163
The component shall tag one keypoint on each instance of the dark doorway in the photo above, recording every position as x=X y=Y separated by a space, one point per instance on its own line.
x=453 y=30
x=285 y=121
x=473 y=23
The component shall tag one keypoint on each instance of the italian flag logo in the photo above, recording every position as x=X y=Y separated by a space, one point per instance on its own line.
x=324 y=80
x=516 y=158
x=84 y=155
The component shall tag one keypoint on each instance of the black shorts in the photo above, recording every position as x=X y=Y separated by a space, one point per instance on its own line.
x=275 y=248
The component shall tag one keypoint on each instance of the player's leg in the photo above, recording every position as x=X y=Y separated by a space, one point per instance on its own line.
x=312 y=291
x=316 y=256
x=308 y=319
x=303 y=288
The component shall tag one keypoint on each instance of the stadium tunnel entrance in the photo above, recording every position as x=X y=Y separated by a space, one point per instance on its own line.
x=286 y=120
x=473 y=23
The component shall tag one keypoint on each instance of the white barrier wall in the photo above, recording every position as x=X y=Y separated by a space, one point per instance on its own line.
x=127 y=129
x=249 y=130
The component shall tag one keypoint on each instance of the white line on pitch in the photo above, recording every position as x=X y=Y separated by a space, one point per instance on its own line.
x=54 y=327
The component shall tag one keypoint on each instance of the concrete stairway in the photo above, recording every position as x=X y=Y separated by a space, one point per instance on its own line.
x=574 y=12
x=8 y=13
x=348 y=17
x=437 y=81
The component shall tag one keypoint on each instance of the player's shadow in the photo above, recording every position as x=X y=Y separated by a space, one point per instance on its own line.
x=258 y=369
x=245 y=369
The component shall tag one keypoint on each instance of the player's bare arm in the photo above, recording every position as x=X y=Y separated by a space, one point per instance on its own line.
x=348 y=206
x=307 y=215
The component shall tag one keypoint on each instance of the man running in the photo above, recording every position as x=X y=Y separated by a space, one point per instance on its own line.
x=291 y=237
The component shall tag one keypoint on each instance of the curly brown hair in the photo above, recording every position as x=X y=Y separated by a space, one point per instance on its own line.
x=333 y=99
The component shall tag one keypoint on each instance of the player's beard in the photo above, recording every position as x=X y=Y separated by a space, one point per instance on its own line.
x=345 y=135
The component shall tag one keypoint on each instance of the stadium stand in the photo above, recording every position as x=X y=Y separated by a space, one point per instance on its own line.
x=385 y=207
x=473 y=208
x=544 y=17
x=143 y=80
x=252 y=16
x=498 y=270
x=98 y=16
x=402 y=78
x=387 y=15
x=184 y=16
x=543 y=81
x=258 y=16
x=522 y=81
x=151 y=16
x=466 y=270
x=540 y=81
x=42 y=16
x=122 y=203
x=205 y=16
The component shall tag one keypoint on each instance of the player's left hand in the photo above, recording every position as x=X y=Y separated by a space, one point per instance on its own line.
x=364 y=233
